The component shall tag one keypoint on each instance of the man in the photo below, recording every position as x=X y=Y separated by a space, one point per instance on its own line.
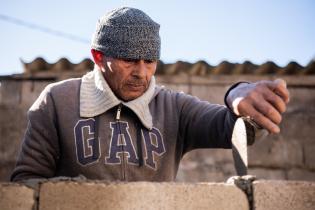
x=115 y=124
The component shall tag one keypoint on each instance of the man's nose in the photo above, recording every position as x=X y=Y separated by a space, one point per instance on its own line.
x=140 y=69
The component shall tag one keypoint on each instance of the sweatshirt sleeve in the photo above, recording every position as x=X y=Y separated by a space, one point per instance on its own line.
x=204 y=125
x=40 y=148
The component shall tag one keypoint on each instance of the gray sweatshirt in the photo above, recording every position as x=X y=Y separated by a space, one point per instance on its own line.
x=79 y=127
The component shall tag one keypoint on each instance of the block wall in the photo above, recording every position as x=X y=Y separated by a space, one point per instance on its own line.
x=77 y=195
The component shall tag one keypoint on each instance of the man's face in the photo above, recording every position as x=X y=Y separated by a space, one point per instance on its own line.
x=128 y=79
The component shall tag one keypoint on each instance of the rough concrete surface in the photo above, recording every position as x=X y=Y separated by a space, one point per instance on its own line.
x=309 y=149
x=140 y=195
x=206 y=165
x=263 y=173
x=284 y=195
x=276 y=152
x=16 y=197
x=301 y=174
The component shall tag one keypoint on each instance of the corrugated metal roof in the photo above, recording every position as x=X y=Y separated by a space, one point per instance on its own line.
x=200 y=68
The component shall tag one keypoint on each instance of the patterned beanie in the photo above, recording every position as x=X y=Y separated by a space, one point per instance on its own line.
x=127 y=33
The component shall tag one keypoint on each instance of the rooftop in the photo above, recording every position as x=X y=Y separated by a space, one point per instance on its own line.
x=39 y=67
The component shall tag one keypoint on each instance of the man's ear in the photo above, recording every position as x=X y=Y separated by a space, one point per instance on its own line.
x=98 y=57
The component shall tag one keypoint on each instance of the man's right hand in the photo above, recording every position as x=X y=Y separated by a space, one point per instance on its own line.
x=263 y=102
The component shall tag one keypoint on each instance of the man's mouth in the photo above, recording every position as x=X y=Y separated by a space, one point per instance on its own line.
x=135 y=86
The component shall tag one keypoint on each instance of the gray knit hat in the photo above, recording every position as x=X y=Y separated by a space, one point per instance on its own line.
x=127 y=33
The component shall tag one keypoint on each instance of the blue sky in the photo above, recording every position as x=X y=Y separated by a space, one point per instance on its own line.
x=236 y=31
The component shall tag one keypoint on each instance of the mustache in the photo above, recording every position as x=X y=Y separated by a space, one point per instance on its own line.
x=137 y=82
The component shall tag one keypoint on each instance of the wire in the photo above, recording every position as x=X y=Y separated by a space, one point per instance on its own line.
x=44 y=29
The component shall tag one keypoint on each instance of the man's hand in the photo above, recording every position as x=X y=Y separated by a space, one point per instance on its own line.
x=263 y=102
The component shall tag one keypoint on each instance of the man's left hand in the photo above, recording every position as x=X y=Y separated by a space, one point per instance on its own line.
x=263 y=102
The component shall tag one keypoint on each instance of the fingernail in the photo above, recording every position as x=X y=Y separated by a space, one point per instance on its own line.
x=276 y=129
x=281 y=81
x=288 y=100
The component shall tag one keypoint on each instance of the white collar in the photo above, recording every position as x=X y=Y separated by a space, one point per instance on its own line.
x=96 y=97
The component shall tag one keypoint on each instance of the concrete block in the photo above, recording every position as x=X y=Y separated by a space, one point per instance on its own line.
x=12 y=128
x=31 y=90
x=193 y=172
x=177 y=87
x=309 y=154
x=220 y=155
x=10 y=92
x=301 y=99
x=212 y=93
x=301 y=174
x=168 y=79
x=212 y=80
x=201 y=175
x=275 y=152
x=6 y=168
x=210 y=156
x=284 y=195
x=140 y=195
x=264 y=173
x=206 y=165
x=16 y=197
x=299 y=125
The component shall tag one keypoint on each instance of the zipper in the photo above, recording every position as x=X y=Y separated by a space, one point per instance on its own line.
x=123 y=165
x=118 y=112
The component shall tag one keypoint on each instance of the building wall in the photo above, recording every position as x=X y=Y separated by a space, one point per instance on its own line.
x=287 y=156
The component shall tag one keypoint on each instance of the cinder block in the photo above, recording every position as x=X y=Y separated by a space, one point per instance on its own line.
x=276 y=152
x=200 y=173
x=212 y=93
x=12 y=128
x=31 y=90
x=168 y=79
x=298 y=124
x=140 y=195
x=6 y=168
x=301 y=174
x=309 y=155
x=176 y=87
x=264 y=173
x=10 y=92
x=206 y=165
x=284 y=195
x=301 y=100
x=16 y=197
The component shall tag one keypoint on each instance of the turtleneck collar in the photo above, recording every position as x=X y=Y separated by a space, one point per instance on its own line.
x=96 y=97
